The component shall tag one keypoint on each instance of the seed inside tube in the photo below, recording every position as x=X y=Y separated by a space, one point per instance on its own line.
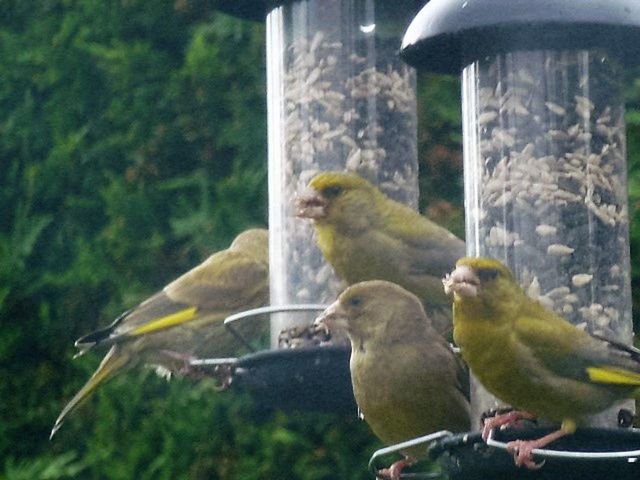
x=555 y=108
x=581 y=279
x=534 y=289
x=330 y=94
x=487 y=117
x=558 y=292
x=550 y=157
x=559 y=249
x=545 y=230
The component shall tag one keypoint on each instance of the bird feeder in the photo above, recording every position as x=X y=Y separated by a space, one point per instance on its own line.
x=544 y=147
x=338 y=98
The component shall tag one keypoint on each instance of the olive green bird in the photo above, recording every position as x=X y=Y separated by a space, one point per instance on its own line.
x=365 y=235
x=529 y=357
x=406 y=380
x=186 y=317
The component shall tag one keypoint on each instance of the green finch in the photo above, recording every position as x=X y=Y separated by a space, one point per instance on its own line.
x=529 y=357
x=406 y=380
x=365 y=235
x=186 y=317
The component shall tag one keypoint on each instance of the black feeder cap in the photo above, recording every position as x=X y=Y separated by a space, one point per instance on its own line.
x=301 y=379
x=447 y=35
x=257 y=10
x=254 y=10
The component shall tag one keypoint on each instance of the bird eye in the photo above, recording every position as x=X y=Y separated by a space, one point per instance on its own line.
x=355 y=301
x=332 y=192
x=487 y=274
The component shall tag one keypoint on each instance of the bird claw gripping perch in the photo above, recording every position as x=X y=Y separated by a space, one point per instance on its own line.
x=503 y=418
x=396 y=468
x=222 y=370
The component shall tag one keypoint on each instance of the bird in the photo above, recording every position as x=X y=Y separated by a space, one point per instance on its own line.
x=531 y=358
x=365 y=235
x=185 y=318
x=407 y=381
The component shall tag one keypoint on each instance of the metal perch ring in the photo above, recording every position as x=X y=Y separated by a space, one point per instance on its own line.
x=311 y=307
x=630 y=455
x=373 y=468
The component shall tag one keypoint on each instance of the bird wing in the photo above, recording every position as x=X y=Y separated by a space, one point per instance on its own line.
x=156 y=313
x=571 y=353
x=224 y=282
x=431 y=248
x=620 y=365
x=435 y=257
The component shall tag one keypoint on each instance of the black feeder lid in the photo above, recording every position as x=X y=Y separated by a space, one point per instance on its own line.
x=467 y=457
x=302 y=379
x=254 y=10
x=447 y=35
x=257 y=10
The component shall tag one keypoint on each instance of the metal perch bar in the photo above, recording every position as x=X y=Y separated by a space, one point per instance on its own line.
x=373 y=468
x=266 y=310
x=213 y=361
x=630 y=455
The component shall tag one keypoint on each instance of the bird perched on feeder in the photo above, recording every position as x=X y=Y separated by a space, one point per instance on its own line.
x=531 y=358
x=186 y=317
x=365 y=235
x=406 y=380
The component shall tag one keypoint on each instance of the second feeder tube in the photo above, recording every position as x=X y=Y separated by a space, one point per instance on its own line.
x=545 y=183
x=339 y=98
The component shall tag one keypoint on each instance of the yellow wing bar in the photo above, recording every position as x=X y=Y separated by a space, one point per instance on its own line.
x=166 y=322
x=613 y=375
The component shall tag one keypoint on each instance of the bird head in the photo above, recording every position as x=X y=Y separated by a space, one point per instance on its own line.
x=337 y=198
x=479 y=278
x=372 y=309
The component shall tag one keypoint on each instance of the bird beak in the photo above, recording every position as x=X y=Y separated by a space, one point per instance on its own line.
x=310 y=204
x=333 y=318
x=462 y=282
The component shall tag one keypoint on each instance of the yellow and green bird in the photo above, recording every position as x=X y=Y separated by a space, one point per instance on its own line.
x=186 y=317
x=531 y=358
x=406 y=380
x=365 y=235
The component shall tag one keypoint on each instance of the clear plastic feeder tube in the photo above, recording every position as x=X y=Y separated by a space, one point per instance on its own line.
x=545 y=182
x=339 y=98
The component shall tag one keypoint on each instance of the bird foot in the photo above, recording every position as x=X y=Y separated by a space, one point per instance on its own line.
x=223 y=375
x=395 y=470
x=185 y=368
x=522 y=451
x=511 y=418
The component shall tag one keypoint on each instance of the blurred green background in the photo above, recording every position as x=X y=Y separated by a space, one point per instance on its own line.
x=133 y=144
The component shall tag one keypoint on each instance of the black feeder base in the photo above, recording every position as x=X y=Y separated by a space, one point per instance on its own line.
x=304 y=379
x=467 y=457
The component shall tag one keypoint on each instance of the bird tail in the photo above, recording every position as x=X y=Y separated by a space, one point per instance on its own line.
x=113 y=361
x=102 y=336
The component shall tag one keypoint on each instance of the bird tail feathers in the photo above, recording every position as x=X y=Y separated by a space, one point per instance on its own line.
x=86 y=342
x=113 y=361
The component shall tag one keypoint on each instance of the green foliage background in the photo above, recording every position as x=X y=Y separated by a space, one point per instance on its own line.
x=132 y=144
